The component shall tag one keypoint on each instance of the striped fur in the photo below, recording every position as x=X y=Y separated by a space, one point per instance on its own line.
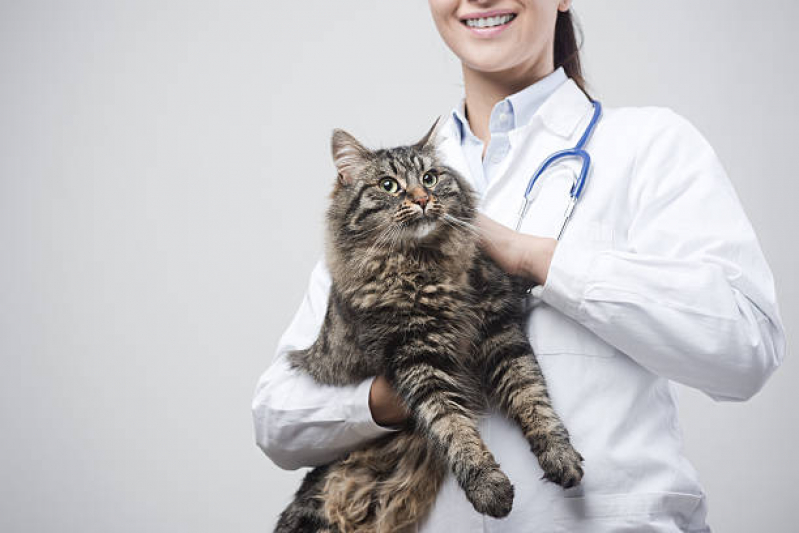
x=414 y=299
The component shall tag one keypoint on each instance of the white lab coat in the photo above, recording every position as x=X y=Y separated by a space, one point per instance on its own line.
x=658 y=278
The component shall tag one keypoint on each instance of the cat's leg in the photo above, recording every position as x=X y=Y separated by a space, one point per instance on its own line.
x=335 y=357
x=439 y=404
x=516 y=384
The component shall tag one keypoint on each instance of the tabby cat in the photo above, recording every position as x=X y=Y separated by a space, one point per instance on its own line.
x=413 y=298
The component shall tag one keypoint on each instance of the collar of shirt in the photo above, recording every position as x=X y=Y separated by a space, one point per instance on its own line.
x=513 y=111
x=507 y=115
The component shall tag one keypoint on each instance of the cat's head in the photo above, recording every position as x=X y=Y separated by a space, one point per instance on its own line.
x=404 y=197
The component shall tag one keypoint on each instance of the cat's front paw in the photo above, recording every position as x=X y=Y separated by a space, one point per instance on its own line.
x=562 y=464
x=491 y=493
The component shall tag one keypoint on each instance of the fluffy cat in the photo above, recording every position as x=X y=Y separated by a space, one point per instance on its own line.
x=413 y=298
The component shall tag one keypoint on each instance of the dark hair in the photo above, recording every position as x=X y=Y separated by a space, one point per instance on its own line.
x=567 y=47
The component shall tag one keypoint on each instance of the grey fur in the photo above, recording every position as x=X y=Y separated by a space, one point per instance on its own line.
x=414 y=299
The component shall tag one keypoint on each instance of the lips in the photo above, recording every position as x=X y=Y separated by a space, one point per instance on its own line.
x=488 y=21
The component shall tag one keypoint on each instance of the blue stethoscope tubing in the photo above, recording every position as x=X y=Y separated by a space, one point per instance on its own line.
x=578 y=152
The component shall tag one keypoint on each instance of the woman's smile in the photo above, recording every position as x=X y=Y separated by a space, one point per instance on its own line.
x=491 y=36
x=488 y=24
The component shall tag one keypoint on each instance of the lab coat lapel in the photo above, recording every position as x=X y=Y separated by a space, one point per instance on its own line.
x=565 y=110
x=554 y=127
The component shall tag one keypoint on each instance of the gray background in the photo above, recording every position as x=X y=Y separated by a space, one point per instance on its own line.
x=164 y=168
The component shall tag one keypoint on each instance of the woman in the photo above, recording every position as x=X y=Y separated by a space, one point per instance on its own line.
x=658 y=277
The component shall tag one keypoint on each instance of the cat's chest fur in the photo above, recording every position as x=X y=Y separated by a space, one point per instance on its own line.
x=409 y=300
x=404 y=287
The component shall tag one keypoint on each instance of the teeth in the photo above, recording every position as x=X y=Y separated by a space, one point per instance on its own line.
x=488 y=22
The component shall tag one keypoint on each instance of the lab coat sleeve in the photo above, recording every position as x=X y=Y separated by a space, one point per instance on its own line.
x=299 y=422
x=691 y=297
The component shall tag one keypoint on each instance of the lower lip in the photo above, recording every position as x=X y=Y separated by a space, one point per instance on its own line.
x=489 y=32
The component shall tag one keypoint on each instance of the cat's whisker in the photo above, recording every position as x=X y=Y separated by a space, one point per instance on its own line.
x=361 y=265
x=379 y=242
x=396 y=239
x=459 y=221
x=463 y=224
x=368 y=231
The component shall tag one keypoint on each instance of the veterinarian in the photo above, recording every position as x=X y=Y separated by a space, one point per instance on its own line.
x=657 y=278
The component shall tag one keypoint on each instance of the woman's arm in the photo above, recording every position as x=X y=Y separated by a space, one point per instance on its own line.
x=692 y=298
x=299 y=422
x=528 y=256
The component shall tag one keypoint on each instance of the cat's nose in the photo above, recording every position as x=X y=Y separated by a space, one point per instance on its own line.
x=419 y=196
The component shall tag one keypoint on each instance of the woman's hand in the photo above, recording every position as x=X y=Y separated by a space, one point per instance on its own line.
x=388 y=409
x=517 y=253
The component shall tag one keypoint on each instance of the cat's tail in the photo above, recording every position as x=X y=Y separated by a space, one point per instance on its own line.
x=305 y=512
x=387 y=487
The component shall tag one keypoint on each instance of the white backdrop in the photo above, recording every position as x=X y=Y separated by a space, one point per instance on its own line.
x=163 y=173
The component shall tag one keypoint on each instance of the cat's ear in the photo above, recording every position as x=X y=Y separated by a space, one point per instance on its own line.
x=431 y=137
x=348 y=154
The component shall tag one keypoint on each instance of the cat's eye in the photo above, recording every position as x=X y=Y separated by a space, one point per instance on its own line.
x=389 y=185
x=429 y=179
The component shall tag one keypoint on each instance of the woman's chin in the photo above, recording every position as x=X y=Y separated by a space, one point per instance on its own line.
x=495 y=60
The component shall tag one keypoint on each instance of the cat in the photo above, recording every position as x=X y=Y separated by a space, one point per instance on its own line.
x=415 y=299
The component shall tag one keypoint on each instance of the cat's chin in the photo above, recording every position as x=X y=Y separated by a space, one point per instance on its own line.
x=423 y=228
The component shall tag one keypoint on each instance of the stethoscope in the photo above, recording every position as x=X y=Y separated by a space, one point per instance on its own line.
x=577 y=188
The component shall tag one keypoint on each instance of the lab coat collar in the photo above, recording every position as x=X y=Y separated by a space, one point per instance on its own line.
x=565 y=109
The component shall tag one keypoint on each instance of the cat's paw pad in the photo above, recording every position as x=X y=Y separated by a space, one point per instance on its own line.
x=491 y=493
x=562 y=464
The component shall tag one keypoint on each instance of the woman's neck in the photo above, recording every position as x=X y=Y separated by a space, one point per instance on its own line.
x=484 y=89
